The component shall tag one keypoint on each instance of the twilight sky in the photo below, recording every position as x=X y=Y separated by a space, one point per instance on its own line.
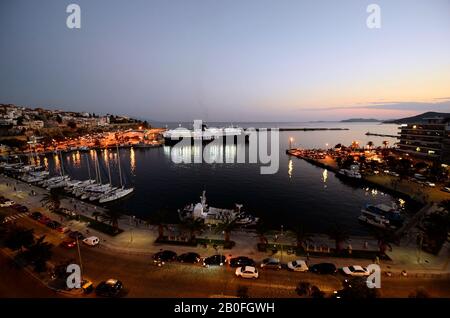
x=228 y=60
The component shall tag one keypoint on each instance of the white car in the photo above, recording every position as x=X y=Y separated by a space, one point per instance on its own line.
x=446 y=189
x=7 y=203
x=91 y=241
x=247 y=272
x=430 y=184
x=298 y=266
x=355 y=270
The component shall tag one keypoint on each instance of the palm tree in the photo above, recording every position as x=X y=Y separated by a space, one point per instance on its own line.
x=160 y=219
x=385 y=143
x=226 y=227
x=301 y=236
x=39 y=253
x=384 y=240
x=112 y=217
x=52 y=200
x=370 y=145
x=261 y=230
x=194 y=226
x=18 y=237
x=338 y=234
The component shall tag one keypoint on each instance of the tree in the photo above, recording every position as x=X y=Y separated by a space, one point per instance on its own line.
x=226 y=227
x=384 y=240
x=112 y=217
x=301 y=236
x=308 y=290
x=38 y=254
x=370 y=145
x=194 y=226
x=385 y=143
x=18 y=237
x=339 y=235
x=159 y=218
x=356 y=288
x=445 y=205
x=52 y=200
x=261 y=230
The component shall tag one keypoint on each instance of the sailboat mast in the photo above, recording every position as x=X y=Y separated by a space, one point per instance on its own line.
x=120 y=170
x=109 y=168
x=98 y=169
x=62 y=166
x=88 y=167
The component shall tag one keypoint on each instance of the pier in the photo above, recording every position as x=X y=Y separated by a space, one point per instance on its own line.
x=380 y=135
x=301 y=129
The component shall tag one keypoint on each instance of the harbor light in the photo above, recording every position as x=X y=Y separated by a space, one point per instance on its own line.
x=291 y=139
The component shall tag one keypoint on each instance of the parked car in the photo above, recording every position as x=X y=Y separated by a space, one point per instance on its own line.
x=298 y=266
x=7 y=203
x=109 y=288
x=15 y=206
x=63 y=229
x=22 y=209
x=430 y=184
x=241 y=261
x=247 y=272
x=69 y=244
x=189 y=258
x=355 y=270
x=217 y=260
x=53 y=224
x=323 y=268
x=76 y=235
x=446 y=189
x=91 y=241
x=164 y=256
x=44 y=220
x=36 y=215
x=87 y=286
x=271 y=263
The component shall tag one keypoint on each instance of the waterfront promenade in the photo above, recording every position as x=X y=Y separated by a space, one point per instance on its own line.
x=404 y=187
x=138 y=238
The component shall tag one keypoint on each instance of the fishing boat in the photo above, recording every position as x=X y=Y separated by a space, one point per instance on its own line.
x=381 y=216
x=212 y=215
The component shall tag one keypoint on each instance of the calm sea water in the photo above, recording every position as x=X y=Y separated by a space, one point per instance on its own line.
x=298 y=193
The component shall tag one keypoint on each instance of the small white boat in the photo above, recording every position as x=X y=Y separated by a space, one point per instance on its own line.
x=116 y=195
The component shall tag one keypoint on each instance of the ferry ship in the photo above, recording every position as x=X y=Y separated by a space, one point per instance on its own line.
x=201 y=132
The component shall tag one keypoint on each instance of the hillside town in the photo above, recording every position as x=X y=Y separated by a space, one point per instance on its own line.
x=24 y=129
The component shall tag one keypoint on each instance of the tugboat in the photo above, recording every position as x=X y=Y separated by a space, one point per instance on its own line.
x=202 y=133
x=214 y=216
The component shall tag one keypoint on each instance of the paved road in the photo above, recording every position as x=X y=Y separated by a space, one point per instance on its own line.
x=143 y=279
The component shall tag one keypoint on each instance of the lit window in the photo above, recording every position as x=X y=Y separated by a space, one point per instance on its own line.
x=414 y=127
x=430 y=152
x=418 y=149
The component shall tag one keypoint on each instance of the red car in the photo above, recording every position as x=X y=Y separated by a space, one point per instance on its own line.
x=44 y=220
x=69 y=244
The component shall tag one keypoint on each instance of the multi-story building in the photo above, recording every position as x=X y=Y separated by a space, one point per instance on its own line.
x=428 y=140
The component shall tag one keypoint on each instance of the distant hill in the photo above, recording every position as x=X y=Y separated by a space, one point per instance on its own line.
x=417 y=119
x=360 y=120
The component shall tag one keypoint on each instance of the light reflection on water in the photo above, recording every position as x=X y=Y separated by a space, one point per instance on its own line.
x=305 y=194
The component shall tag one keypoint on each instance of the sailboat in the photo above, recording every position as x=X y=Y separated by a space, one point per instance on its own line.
x=118 y=193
